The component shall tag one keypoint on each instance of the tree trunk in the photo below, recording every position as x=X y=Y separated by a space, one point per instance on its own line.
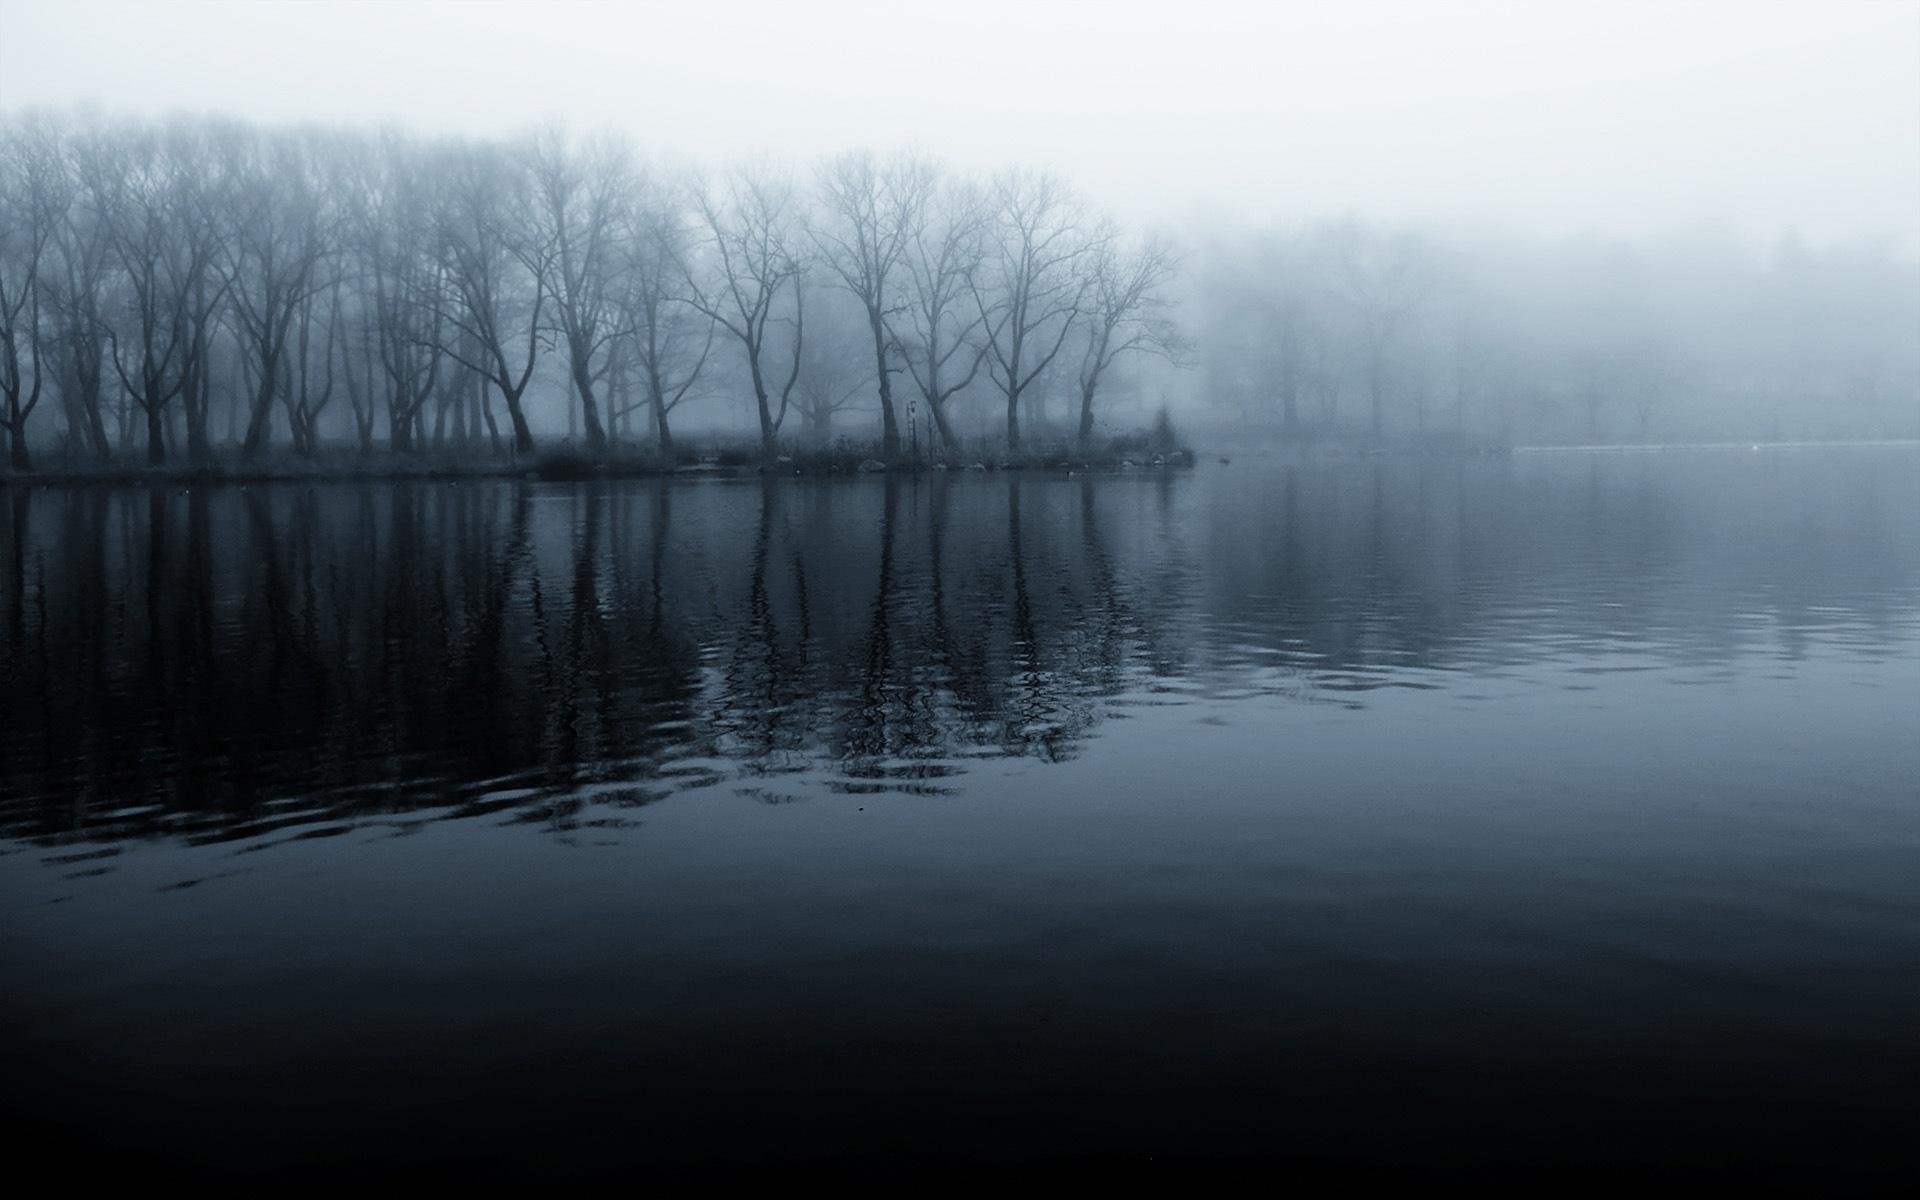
x=260 y=419
x=197 y=399
x=889 y=424
x=400 y=429
x=766 y=413
x=589 y=411
x=522 y=434
x=17 y=454
x=948 y=442
x=156 y=431
x=483 y=404
x=663 y=434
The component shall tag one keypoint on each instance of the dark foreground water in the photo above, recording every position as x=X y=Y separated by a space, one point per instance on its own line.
x=1557 y=810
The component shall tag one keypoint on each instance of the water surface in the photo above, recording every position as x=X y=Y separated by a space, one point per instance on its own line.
x=1557 y=809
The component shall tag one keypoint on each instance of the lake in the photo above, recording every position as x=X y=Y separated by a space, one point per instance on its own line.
x=1554 y=809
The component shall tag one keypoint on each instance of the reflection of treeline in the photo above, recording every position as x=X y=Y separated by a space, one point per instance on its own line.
x=222 y=662
x=219 y=662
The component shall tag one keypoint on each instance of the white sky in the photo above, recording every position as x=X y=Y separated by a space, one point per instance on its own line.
x=1553 y=115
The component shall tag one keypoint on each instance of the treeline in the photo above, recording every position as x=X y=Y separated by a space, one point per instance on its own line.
x=195 y=288
x=1349 y=330
x=181 y=284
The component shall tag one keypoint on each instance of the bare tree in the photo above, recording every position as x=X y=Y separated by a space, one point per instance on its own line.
x=670 y=338
x=74 y=289
x=33 y=202
x=356 y=347
x=496 y=262
x=1125 y=310
x=1269 y=338
x=1387 y=279
x=400 y=270
x=1029 y=289
x=158 y=222
x=873 y=211
x=752 y=232
x=581 y=197
x=937 y=333
x=834 y=369
x=274 y=239
x=304 y=397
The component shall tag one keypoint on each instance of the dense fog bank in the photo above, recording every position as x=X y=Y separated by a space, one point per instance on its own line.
x=202 y=288
x=1337 y=327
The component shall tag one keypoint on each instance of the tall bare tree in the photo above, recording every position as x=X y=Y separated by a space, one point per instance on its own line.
x=33 y=203
x=938 y=330
x=274 y=239
x=357 y=350
x=497 y=261
x=752 y=259
x=310 y=369
x=872 y=211
x=399 y=267
x=836 y=368
x=1029 y=289
x=159 y=223
x=1125 y=311
x=670 y=339
x=581 y=196
x=74 y=288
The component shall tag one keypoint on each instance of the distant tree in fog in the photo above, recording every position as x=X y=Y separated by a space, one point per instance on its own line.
x=1388 y=277
x=1125 y=311
x=836 y=369
x=871 y=211
x=274 y=238
x=1267 y=338
x=1028 y=291
x=937 y=329
x=33 y=203
x=74 y=282
x=582 y=197
x=392 y=233
x=752 y=266
x=158 y=215
x=671 y=338
x=497 y=258
x=309 y=376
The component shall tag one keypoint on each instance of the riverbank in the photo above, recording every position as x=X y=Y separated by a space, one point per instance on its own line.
x=569 y=465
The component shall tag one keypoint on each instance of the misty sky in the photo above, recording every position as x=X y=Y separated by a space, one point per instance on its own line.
x=1615 y=118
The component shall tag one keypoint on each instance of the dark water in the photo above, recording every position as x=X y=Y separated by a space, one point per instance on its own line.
x=1557 y=810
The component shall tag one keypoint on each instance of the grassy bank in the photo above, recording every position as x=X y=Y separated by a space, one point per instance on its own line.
x=1158 y=447
x=567 y=463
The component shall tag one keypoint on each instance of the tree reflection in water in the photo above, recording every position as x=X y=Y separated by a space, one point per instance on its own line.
x=217 y=664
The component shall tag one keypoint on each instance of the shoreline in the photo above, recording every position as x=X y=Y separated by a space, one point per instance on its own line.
x=561 y=466
x=556 y=469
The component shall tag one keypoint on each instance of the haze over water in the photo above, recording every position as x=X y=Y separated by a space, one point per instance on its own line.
x=1552 y=808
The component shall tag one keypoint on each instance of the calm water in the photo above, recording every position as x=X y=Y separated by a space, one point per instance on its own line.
x=1565 y=808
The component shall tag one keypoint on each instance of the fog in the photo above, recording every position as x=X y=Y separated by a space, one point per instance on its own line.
x=1450 y=227
x=1620 y=119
